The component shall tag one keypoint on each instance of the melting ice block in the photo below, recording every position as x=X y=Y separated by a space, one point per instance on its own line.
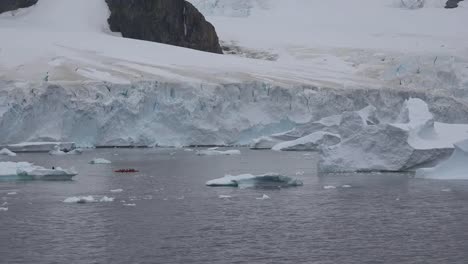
x=29 y=171
x=249 y=180
x=100 y=161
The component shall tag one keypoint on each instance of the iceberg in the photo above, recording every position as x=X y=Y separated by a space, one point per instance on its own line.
x=310 y=142
x=100 y=161
x=41 y=146
x=215 y=152
x=29 y=171
x=416 y=142
x=454 y=168
x=7 y=152
x=249 y=180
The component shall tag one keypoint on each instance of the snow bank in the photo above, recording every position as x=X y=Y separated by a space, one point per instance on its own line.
x=29 y=171
x=310 y=142
x=7 y=152
x=455 y=168
x=249 y=180
x=100 y=161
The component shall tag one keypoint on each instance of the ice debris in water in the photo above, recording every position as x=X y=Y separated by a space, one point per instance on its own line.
x=7 y=152
x=58 y=152
x=249 y=180
x=29 y=171
x=224 y=196
x=87 y=199
x=264 y=197
x=12 y=193
x=130 y=204
x=116 y=191
x=215 y=152
x=446 y=190
x=346 y=186
x=328 y=187
x=4 y=209
x=100 y=161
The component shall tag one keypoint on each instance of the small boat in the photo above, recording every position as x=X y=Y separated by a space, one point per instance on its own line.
x=126 y=171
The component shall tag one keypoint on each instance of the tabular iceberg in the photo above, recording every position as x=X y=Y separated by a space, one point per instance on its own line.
x=29 y=171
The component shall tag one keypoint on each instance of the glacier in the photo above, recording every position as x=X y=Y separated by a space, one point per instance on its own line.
x=153 y=113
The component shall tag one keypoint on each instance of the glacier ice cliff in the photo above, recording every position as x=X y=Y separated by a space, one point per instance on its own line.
x=151 y=113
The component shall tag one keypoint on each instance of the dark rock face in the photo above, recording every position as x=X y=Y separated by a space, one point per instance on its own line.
x=174 y=22
x=452 y=3
x=10 y=5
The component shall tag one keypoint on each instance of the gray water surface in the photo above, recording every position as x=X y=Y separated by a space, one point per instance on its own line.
x=381 y=218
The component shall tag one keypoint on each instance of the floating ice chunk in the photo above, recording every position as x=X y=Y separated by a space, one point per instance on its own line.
x=3 y=209
x=188 y=150
x=41 y=146
x=29 y=171
x=346 y=186
x=7 y=152
x=106 y=199
x=300 y=173
x=59 y=152
x=455 y=168
x=116 y=191
x=224 y=196
x=310 y=142
x=264 y=197
x=446 y=190
x=88 y=199
x=80 y=199
x=129 y=204
x=214 y=152
x=329 y=187
x=181 y=198
x=100 y=161
x=12 y=193
x=249 y=180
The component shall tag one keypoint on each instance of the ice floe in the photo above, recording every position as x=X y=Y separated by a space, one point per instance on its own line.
x=249 y=180
x=4 y=209
x=215 y=152
x=29 y=171
x=100 y=161
x=264 y=197
x=88 y=199
x=116 y=191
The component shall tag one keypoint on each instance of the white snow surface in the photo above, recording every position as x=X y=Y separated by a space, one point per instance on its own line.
x=106 y=90
x=26 y=170
x=249 y=180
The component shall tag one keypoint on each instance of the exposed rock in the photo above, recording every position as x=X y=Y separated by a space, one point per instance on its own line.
x=174 y=22
x=10 y=5
x=452 y=3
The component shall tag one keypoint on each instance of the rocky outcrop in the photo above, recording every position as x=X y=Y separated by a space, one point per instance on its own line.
x=452 y=3
x=9 y=5
x=174 y=22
